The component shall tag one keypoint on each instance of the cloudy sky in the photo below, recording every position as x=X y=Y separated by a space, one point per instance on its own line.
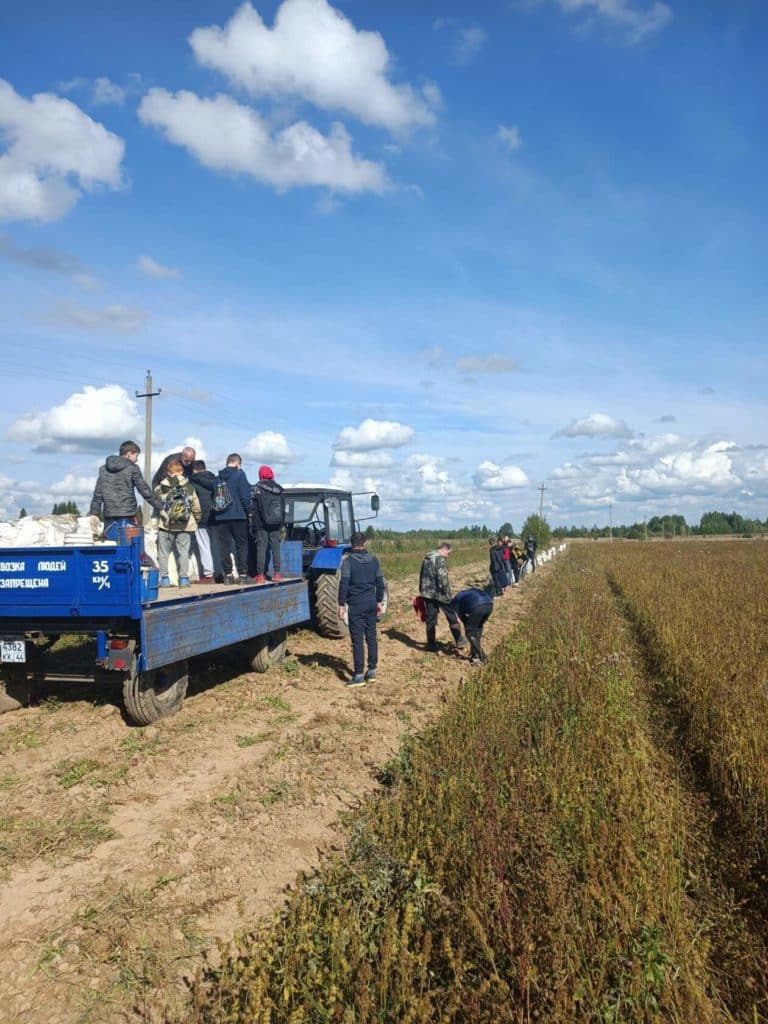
x=450 y=251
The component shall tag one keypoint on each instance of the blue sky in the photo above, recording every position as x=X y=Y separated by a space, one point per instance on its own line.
x=448 y=251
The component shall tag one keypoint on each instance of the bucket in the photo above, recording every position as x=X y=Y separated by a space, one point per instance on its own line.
x=127 y=533
x=150 y=583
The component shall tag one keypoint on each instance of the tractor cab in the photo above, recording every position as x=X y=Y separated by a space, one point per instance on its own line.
x=322 y=517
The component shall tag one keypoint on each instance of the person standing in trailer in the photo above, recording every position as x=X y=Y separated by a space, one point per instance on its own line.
x=267 y=519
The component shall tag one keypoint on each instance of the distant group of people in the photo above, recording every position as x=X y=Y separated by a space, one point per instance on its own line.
x=233 y=526
x=509 y=561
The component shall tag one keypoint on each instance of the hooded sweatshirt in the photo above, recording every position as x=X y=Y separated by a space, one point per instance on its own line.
x=240 y=491
x=113 y=496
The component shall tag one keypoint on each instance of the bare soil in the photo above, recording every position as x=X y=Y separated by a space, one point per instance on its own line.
x=125 y=853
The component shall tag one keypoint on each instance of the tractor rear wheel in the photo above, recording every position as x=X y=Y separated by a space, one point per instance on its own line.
x=326 y=594
x=155 y=694
x=267 y=650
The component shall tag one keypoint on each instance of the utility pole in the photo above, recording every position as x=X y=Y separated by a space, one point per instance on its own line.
x=541 y=488
x=610 y=522
x=148 y=395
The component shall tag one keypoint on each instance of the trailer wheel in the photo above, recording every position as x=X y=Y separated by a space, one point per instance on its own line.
x=326 y=594
x=267 y=650
x=156 y=694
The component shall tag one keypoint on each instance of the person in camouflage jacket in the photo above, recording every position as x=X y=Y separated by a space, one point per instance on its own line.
x=435 y=588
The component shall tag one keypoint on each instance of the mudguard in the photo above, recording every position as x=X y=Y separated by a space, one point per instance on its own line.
x=329 y=559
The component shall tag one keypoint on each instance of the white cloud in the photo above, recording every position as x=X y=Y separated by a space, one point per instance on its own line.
x=226 y=136
x=486 y=364
x=314 y=53
x=74 y=486
x=372 y=434
x=424 y=476
x=597 y=424
x=468 y=40
x=104 y=92
x=640 y=20
x=509 y=136
x=492 y=477
x=269 y=446
x=87 y=421
x=373 y=460
x=668 y=467
x=154 y=269
x=54 y=153
x=118 y=318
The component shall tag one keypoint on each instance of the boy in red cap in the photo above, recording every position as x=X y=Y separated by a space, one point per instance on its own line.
x=267 y=520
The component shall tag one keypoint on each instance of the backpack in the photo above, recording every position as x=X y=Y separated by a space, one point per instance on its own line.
x=222 y=499
x=270 y=504
x=178 y=505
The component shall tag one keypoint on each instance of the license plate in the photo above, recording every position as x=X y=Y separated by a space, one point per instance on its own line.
x=13 y=650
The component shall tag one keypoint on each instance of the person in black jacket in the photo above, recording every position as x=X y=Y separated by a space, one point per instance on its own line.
x=232 y=523
x=187 y=458
x=114 y=495
x=362 y=590
x=498 y=566
x=205 y=538
x=474 y=606
x=267 y=520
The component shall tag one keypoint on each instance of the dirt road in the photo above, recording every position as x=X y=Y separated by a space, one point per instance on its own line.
x=126 y=852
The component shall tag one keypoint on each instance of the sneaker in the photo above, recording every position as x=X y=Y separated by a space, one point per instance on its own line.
x=243 y=579
x=165 y=581
x=356 y=680
x=277 y=578
x=476 y=661
x=259 y=578
x=229 y=579
x=462 y=643
x=183 y=581
x=370 y=675
x=206 y=579
x=432 y=648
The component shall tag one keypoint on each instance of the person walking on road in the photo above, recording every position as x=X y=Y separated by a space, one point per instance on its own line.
x=474 y=607
x=435 y=588
x=530 y=551
x=362 y=590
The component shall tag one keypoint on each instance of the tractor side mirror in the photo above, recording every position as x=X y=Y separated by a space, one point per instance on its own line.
x=374 y=503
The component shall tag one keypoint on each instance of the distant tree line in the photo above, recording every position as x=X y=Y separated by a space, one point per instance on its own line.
x=710 y=524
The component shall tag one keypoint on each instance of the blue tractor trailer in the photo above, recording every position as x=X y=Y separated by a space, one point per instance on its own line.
x=144 y=636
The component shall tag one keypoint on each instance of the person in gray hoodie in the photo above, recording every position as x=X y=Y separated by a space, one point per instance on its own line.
x=114 y=496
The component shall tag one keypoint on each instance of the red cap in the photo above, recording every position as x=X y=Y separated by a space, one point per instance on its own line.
x=265 y=473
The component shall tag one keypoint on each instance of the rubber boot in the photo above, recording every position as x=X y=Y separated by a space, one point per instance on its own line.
x=431 y=640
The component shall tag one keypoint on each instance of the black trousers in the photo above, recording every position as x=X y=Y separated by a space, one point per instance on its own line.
x=362 y=630
x=233 y=538
x=499 y=578
x=433 y=609
x=473 y=626
x=267 y=540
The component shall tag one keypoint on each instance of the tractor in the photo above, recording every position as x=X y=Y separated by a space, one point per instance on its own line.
x=323 y=519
